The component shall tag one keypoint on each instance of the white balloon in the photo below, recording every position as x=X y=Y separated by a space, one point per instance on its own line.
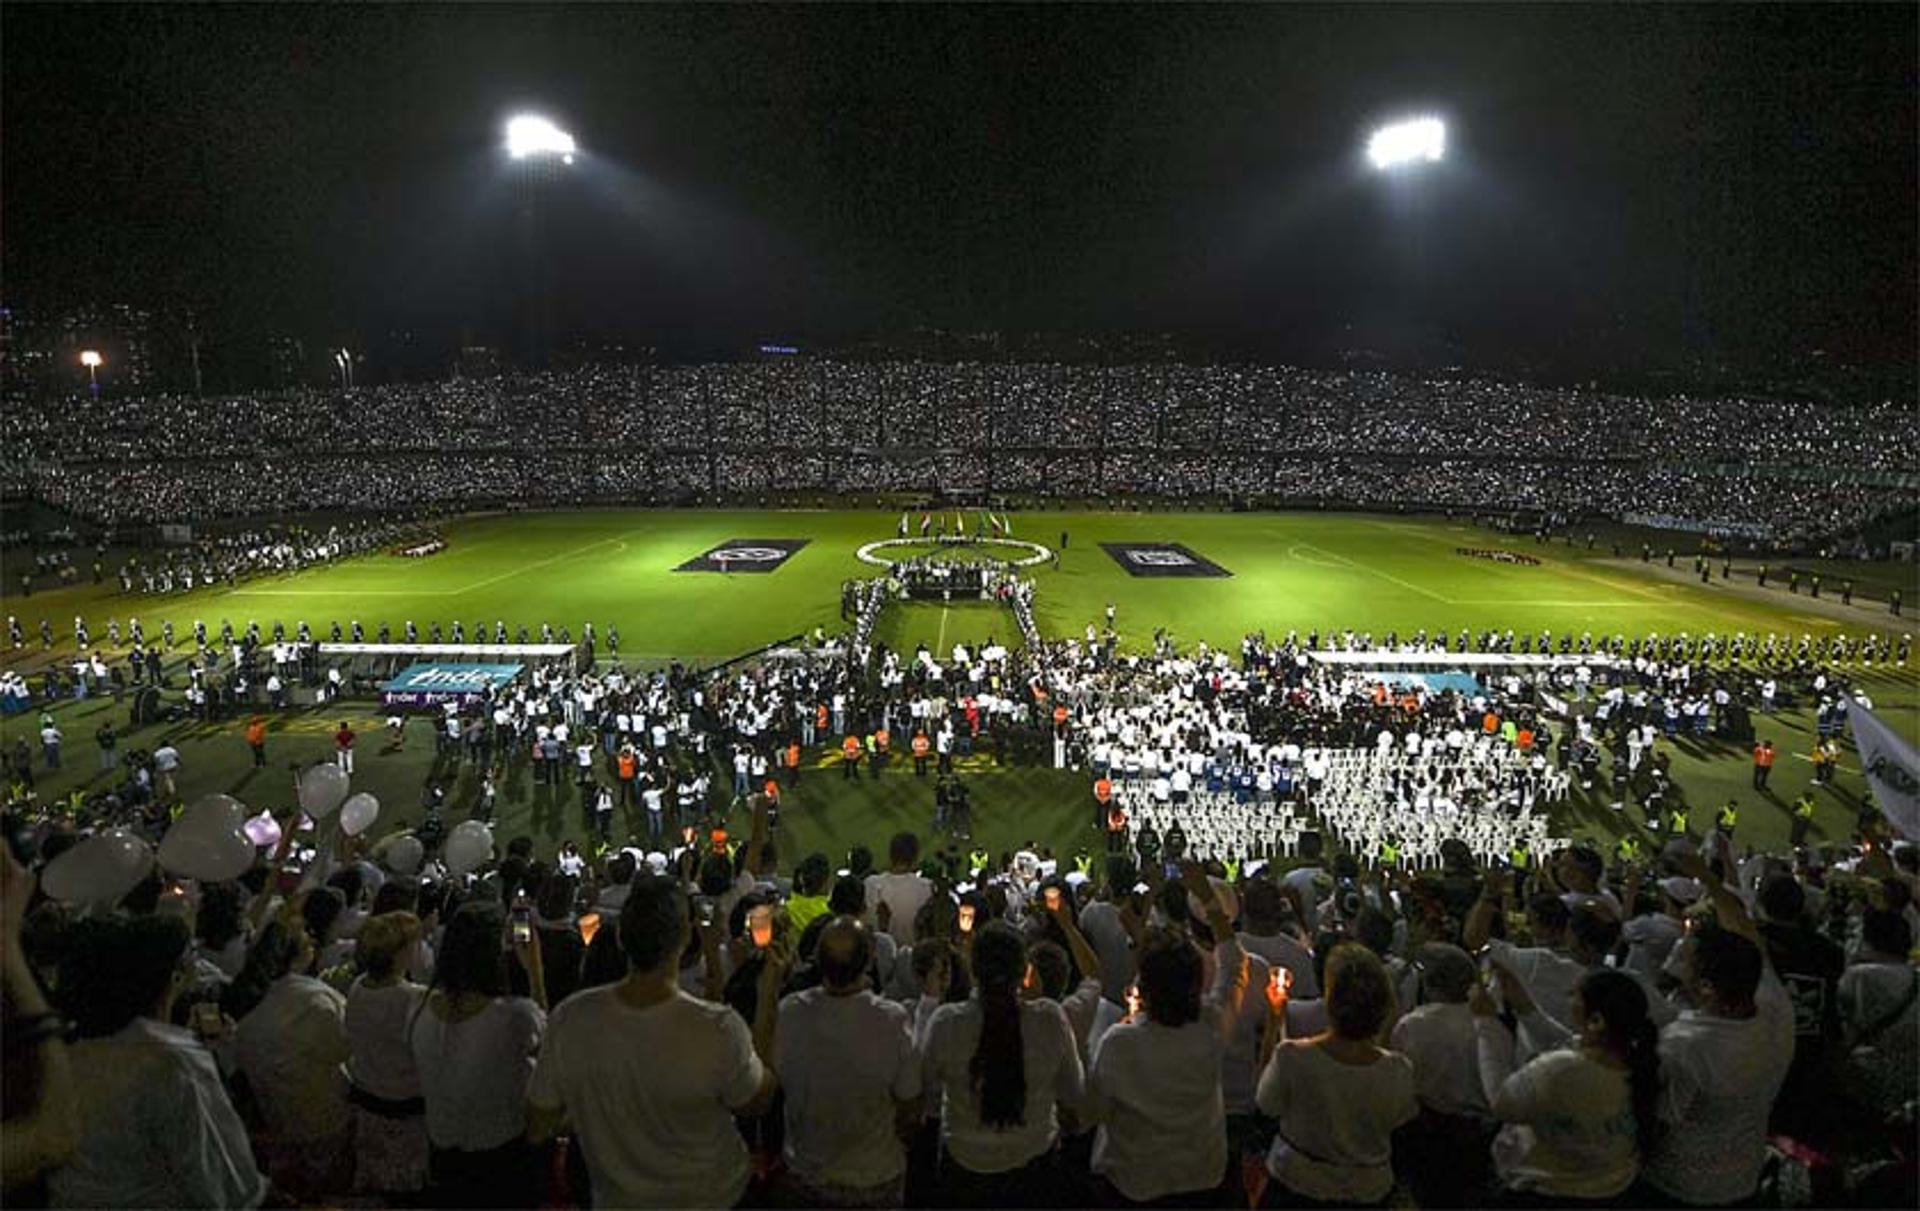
x=468 y=847
x=404 y=855
x=358 y=813
x=215 y=814
x=100 y=869
x=263 y=830
x=323 y=788
x=211 y=858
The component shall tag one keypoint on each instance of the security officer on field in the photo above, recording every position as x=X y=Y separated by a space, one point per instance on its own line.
x=1802 y=819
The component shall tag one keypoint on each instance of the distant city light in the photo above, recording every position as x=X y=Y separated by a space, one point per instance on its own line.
x=528 y=135
x=1418 y=141
x=783 y=349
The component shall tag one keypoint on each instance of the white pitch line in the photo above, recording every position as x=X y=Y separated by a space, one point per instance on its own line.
x=940 y=644
x=1597 y=605
x=511 y=573
x=1373 y=571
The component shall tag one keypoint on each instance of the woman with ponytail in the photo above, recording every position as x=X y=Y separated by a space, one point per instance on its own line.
x=1580 y=1116
x=1002 y=1065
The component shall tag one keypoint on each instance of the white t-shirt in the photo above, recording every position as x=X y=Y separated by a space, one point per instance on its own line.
x=1101 y=922
x=1053 y=1073
x=1719 y=1077
x=381 y=1061
x=1282 y=950
x=1569 y=1131
x=903 y=894
x=1438 y=1039
x=292 y=1047
x=156 y=1128
x=1336 y=1121
x=651 y=1093
x=844 y=1061
x=1155 y=1091
x=474 y=1072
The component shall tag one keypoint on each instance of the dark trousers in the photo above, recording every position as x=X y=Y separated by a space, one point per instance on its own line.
x=511 y=1175
x=1034 y=1184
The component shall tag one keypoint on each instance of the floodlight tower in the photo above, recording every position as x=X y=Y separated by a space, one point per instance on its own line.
x=539 y=152
x=92 y=360
x=1405 y=155
x=1408 y=144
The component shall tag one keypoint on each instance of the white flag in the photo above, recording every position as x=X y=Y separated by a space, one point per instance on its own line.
x=1892 y=766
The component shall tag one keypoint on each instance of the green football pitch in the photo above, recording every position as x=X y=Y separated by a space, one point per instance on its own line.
x=1284 y=571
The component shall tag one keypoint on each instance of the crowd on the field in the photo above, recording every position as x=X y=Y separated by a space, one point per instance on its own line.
x=679 y=1015
x=1224 y=433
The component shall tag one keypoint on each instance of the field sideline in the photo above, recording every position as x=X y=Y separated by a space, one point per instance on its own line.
x=1302 y=571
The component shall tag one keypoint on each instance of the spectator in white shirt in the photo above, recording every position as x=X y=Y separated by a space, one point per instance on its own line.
x=652 y=1076
x=851 y=1078
x=1003 y=1067
x=1154 y=1087
x=156 y=1128
x=1267 y=933
x=389 y=1123
x=473 y=1045
x=1880 y=1014
x=1339 y=1096
x=901 y=888
x=1442 y=1156
x=1578 y=1115
x=292 y=1048
x=1723 y=1061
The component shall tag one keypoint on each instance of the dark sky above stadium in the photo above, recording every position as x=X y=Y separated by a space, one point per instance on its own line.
x=1635 y=181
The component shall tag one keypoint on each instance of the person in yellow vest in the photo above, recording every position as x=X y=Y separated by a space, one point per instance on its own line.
x=1519 y=858
x=1802 y=819
x=921 y=747
x=1677 y=821
x=978 y=860
x=1728 y=818
x=1628 y=849
x=793 y=762
x=1083 y=862
x=1389 y=853
x=850 y=750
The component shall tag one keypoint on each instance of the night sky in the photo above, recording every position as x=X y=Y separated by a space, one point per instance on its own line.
x=1630 y=182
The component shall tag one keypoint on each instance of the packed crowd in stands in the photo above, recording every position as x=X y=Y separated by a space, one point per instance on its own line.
x=1227 y=433
x=692 y=1018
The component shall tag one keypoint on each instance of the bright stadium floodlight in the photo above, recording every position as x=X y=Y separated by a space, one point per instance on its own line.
x=92 y=361
x=1418 y=141
x=528 y=135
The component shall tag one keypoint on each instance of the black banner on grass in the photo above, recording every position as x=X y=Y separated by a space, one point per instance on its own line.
x=745 y=555
x=1161 y=559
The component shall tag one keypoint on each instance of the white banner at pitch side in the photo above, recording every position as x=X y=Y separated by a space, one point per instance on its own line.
x=1892 y=766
